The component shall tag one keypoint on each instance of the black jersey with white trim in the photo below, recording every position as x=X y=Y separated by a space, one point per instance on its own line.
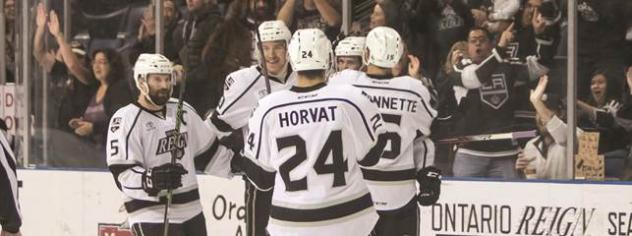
x=311 y=140
x=140 y=139
x=404 y=104
x=10 y=217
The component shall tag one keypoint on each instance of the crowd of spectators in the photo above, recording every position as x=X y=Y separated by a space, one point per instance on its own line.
x=481 y=59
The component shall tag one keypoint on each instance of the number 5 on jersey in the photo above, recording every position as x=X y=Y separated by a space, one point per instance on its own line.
x=392 y=137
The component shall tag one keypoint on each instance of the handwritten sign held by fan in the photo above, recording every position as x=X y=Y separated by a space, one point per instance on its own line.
x=588 y=163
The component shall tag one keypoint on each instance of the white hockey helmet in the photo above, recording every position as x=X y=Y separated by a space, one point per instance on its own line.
x=350 y=46
x=274 y=30
x=385 y=47
x=148 y=63
x=310 y=50
x=270 y=31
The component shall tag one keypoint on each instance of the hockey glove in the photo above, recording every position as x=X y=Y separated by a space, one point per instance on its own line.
x=167 y=176
x=429 y=179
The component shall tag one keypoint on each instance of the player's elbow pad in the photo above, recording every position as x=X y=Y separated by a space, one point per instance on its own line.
x=429 y=179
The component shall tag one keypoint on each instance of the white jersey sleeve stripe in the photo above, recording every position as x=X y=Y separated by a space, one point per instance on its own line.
x=364 y=119
x=240 y=96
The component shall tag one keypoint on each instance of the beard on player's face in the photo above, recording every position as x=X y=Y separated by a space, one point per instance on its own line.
x=159 y=96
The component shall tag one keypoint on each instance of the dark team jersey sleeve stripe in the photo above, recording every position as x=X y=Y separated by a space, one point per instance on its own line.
x=425 y=153
x=261 y=178
x=133 y=188
x=364 y=119
x=321 y=214
x=129 y=133
x=220 y=124
x=202 y=160
x=179 y=198
x=384 y=175
x=9 y=211
x=240 y=95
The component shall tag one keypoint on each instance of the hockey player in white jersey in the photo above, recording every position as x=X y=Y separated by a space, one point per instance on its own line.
x=140 y=145
x=242 y=91
x=305 y=143
x=349 y=53
x=404 y=105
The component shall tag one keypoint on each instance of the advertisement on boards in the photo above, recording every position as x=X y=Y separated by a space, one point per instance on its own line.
x=471 y=208
x=88 y=203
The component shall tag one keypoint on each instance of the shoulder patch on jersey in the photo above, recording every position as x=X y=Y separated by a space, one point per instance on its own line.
x=229 y=81
x=116 y=124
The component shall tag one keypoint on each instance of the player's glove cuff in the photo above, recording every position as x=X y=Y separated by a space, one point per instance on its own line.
x=148 y=184
x=429 y=179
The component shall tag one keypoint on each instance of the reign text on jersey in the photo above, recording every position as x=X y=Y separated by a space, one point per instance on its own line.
x=168 y=143
x=307 y=116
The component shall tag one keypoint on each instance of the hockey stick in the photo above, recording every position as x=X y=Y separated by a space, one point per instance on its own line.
x=262 y=58
x=489 y=137
x=174 y=152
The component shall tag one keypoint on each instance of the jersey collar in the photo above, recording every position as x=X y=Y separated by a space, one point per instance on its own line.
x=275 y=79
x=162 y=113
x=379 y=76
x=307 y=89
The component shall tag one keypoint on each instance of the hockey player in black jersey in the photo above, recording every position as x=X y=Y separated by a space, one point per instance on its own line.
x=142 y=140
